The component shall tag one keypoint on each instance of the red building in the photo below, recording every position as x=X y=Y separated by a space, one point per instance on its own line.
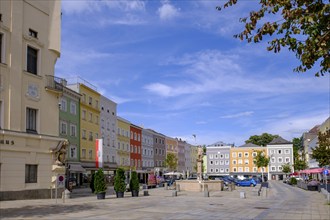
x=136 y=147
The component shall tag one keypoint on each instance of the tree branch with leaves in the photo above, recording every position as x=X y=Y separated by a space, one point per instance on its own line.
x=304 y=28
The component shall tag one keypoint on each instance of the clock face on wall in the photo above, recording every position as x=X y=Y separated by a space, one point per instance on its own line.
x=33 y=90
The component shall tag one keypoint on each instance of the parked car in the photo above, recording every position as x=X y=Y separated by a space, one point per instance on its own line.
x=246 y=182
x=257 y=179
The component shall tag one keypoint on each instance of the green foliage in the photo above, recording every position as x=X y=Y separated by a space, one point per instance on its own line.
x=286 y=168
x=322 y=153
x=171 y=161
x=293 y=181
x=299 y=164
x=134 y=182
x=303 y=28
x=261 y=160
x=99 y=181
x=119 y=184
x=261 y=140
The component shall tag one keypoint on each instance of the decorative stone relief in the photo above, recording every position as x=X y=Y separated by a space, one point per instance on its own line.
x=33 y=91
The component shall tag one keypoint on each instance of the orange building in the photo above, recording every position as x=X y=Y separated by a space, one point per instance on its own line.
x=242 y=160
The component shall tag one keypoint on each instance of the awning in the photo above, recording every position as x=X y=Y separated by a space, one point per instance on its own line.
x=76 y=168
x=317 y=170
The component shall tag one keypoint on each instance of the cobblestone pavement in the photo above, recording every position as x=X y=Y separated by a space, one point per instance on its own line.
x=280 y=201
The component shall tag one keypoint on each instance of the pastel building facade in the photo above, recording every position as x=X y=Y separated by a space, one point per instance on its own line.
x=32 y=154
x=89 y=122
x=172 y=147
x=280 y=152
x=123 y=143
x=242 y=161
x=147 y=150
x=136 y=147
x=218 y=157
x=108 y=128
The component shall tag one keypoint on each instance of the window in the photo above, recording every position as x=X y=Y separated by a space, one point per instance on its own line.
x=280 y=160
x=279 y=168
x=227 y=170
x=227 y=162
x=221 y=156
x=32 y=60
x=90 y=137
x=246 y=161
x=239 y=154
x=287 y=160
x=90 y=154
x=2 y=48
x=240 y=161
x=90 y=101
x=216 y=162
x=255 y=169
x=33 y=33
x=246 y=154
x=221 y=162
x=211 y=170
x=287 y=151
x=279 y=151
x=216 y=156
x=84 y=97
x=234 y=154
x=31 y=173
x=211 y=162
x=246 y=169
x=254 y=154
x=273 y=168
x=211 y=156
x=234 y=169
x=216 y=170
x=273 y=159
x=83 y=134
x=234 y=161
x=139 y=138
x=83 y=153
x=226 y=156
x=73 y=130
x=31 y=120
x=272 y=151
x=83 y=115
x=73 y=108
x=90 y=117
x=97 y=104
x=73 y=152
x=240 y=169
x=63 y=128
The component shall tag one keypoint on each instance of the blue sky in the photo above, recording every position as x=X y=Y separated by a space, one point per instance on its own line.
x=175 y=67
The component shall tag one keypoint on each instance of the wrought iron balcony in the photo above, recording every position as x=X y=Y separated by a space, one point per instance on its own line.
x=55 y=84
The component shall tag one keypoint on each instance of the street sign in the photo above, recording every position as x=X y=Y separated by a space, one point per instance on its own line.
x=60 y=181
x=325 y=172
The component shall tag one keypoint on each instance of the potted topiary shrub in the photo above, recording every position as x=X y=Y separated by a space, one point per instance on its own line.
x=134 y=184
x=100 y=184
x=120 y=185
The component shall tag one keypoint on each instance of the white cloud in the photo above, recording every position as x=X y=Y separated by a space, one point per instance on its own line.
x=81 y=6
x=238 y=115
x=167 y=11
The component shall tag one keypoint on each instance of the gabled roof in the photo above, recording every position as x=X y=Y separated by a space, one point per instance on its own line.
x=279 y=140
x=250 y=145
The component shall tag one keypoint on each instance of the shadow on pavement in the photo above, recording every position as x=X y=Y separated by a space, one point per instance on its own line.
x=42 y=210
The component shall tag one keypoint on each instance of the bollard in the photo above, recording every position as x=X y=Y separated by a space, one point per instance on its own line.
x=206 y=187
x=174 y=193
x=200 y=187
x=242 y=195
x=178 y=187
x=165 y=186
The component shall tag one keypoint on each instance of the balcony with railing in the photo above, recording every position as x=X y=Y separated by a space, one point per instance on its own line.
x=55 y=84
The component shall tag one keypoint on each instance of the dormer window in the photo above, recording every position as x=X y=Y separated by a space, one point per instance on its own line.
x=33 y=33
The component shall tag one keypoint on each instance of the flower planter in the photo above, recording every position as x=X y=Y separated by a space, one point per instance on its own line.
x=135 y=193
x=100 y=195
x=120 y=194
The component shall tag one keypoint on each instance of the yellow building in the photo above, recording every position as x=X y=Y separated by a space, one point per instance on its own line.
x=89 y=122
x=123 y=143
x=242 y=160
x=31 y=153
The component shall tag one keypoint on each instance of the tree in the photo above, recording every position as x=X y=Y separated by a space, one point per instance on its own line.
x=322 y=152
x=286 y=168
x=303 y=28
x=171 y=161
x=99 y=182
x=299 y=163
x=261 y=160
x=261 y=140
